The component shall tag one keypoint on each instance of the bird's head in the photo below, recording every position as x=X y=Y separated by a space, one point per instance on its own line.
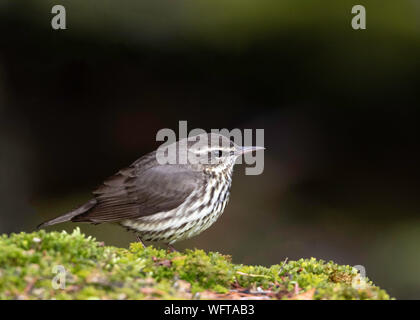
x=204 y=151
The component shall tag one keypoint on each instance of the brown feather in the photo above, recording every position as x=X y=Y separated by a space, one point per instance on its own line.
x=132 y=193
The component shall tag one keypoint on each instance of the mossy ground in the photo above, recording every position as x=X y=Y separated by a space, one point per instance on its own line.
x=95 y=271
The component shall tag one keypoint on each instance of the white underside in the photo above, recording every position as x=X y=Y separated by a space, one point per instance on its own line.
x=165 y=226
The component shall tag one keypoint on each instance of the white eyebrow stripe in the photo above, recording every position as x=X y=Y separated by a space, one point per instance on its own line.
x=214 y=148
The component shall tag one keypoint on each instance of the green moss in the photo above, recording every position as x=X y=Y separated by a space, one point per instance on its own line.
x=95 y=271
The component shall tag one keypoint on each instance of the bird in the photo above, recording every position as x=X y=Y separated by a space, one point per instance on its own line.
x=168 y=195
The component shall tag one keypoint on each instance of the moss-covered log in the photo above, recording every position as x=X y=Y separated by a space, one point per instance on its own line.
x=32 y=265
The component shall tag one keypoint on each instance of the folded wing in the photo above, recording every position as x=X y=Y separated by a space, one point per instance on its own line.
x=130 y=194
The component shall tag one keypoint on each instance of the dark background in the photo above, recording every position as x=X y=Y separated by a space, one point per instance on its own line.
x=339 y=109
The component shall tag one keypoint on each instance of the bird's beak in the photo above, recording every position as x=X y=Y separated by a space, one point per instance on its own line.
x=243 y=150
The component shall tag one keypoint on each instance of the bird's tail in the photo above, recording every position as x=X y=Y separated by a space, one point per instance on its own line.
x=70 y=215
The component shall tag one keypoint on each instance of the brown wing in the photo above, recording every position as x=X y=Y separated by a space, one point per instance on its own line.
x=135 y=192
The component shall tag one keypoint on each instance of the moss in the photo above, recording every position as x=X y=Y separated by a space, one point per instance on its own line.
x=95 y=271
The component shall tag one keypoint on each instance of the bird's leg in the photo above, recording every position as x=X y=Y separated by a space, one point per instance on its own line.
x=138 y=239
x=171 y=248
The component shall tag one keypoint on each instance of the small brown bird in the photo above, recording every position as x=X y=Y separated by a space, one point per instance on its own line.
x=166 y=201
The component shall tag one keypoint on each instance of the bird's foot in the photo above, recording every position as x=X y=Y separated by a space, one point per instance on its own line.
x=138 y=239
x=171 y=248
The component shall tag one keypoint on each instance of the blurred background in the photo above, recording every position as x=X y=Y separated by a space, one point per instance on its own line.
x=339 y=109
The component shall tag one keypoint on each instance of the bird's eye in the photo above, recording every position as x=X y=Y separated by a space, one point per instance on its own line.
x=218 y=153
